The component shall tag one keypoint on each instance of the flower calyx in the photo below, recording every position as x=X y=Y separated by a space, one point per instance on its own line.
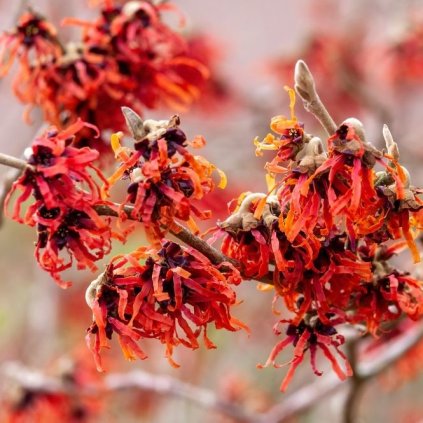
x=244 y=219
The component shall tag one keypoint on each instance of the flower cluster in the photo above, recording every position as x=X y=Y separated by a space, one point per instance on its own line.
x=126 y=56
x=64 y=193
x=165 y=177
x=324 y=233
x=173 y=297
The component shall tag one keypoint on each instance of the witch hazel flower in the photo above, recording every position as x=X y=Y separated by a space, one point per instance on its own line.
x=128 y=55
x=173 y=297
x=164 y=176
x=60 y=180
x=321 y=234
x=391 y=295
x=154 y=56
x=246 y=238
x=33 y=42
x=312 y=335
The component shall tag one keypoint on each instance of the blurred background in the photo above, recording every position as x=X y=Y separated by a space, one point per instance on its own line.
x=367 y=58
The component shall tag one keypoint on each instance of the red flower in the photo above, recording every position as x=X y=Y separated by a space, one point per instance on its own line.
x=322 y=236
x=34 y=42
x=247 y=239
x=65 y=194
x=310 y=334
x=154 y=56
x=173 y=297
x=290 y=142
x=165 y=177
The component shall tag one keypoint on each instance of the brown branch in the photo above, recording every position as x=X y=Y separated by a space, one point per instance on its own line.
x=183 y=234
x=306 y=89
x=165 y=385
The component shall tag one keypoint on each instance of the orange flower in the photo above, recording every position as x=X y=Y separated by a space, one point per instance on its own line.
x=173 y=297
x=164 y=176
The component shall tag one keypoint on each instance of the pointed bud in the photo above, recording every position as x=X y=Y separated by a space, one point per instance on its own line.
x=134 y=123
x=391 y=145
x=304 y=81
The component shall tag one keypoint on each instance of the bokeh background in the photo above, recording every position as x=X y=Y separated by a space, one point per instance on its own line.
x=352 y=46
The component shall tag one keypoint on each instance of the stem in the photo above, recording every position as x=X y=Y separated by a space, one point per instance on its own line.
x=11 y=161
x=167 y=386
x=356 y=384
x=306 y=89
x=183 y=234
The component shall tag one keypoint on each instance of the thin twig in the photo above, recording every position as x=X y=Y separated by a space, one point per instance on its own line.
x=306 y=89
x=35 y=381
x=12 y=161
x=183 y=234
x=165 y=385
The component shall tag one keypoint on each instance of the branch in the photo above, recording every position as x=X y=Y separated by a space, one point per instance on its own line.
x=306 y=89
x=11 y=161
x=36 y=381
x=356 y=384
x=293 y=404
x=377 y=364
x=183 y=234
x=165 y=385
